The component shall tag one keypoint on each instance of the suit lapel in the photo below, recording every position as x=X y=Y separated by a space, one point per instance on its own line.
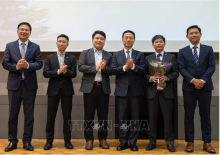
x=165 y=56
x=17 y=49
x=133 y=54
x=122 y=56
x=201 y=54
x=28 y=49
x=190 y=54
x=104 y=54
x=56 y=61
x=66 y=59
x=91 y=56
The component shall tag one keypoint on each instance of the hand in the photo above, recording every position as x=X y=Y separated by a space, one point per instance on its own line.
x=126 y=66
x=154 y=79
x=198 y=83
x=103 y=64
x=163 y=78
x=64 y=68
x=22 y=63
x=130 y=63
x=98 y=66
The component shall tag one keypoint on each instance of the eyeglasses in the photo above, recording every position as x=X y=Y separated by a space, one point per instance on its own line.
x=26 y=30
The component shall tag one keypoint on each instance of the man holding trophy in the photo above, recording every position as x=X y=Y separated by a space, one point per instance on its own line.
x=161 y=70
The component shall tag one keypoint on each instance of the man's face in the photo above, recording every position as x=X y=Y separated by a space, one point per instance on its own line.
x=194 y=36
x=23 y=32
x=62 y=44
x=159 y=45
x=98 y=41
x=128 y=40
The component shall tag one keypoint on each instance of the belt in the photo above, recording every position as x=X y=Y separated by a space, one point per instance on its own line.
x=98 y=82
x=22 y=78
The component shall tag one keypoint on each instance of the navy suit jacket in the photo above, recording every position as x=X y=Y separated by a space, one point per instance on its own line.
x=130 y=77
x=12 y=55
x=189 y=70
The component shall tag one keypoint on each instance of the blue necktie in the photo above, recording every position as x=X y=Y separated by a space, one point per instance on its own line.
x=128 y=55
x=195 y=55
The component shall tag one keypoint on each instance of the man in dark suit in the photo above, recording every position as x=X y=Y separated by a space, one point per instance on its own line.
x=197 y=65
x=60 y=67
x=94 y=64
x=21 y=58
x=128 y=65
x=160 y=98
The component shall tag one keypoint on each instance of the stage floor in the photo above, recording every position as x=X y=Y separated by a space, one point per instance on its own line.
x=79 y=145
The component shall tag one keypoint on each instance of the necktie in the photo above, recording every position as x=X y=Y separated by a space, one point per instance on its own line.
x=22 y=55
x=128 y=55
x=158 y=57
x=195 y=55
x=22 y=50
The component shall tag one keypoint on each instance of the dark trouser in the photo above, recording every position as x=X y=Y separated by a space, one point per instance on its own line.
x=131 y=133
x=92 y=101
x=190 y=102
x=15 y=98
x=166 y=106
x=66 y=105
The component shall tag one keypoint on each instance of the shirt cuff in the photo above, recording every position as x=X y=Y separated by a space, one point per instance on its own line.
x=192 y=80
x=27 y=65
x=202 y=80
x=124 y=68
x=58 y=72
x=149 y=79
x=133 y=67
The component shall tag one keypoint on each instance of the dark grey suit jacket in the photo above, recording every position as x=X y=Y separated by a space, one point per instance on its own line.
x=65 y=80
x=87 y=65
x=172 y=74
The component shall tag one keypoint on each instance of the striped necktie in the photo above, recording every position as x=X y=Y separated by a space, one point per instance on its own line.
x=195 y=55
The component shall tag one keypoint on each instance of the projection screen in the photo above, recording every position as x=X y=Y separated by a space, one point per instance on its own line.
x=79 y=19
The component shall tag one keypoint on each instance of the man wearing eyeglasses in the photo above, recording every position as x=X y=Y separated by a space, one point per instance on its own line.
x=21 y=58
x=60 y=67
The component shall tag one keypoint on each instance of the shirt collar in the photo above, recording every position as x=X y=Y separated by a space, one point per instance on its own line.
x=61 y=54
x=191 y=45
x=26 y=42
x=128 y=50
x=162 y=53
x=95 y=50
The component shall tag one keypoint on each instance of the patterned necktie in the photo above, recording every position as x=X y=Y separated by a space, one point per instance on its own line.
x=22 y=50
x=128 y=55
x=195 y=55
x=22 y=55
x=158 y=57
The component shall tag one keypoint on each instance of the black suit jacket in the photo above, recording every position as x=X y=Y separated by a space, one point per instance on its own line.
x=87 y=65
x=172 y=74
x=65 y=80
x=12 y=55
x=189 y=69
x=130 y=77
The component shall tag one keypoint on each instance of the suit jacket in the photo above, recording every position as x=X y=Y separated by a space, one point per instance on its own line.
x=12 y=55
x=87 y=65
x=189 y=69
x=62 y=80
x=132 y=78
x=172 y=74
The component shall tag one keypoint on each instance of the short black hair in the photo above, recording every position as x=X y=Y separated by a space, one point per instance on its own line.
x=99 y=32
x=25 y=23
x=158 y=37
x=63 y=35
x=128 y=31
x=192 y=27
